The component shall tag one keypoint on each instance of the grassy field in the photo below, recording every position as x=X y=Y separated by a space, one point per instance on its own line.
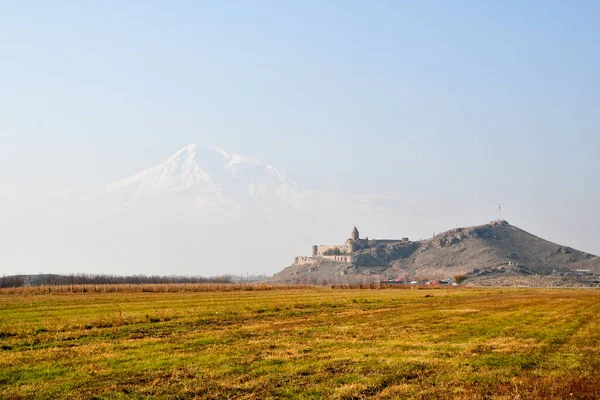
x=302 y=343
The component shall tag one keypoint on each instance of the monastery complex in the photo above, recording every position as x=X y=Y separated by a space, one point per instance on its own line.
x=344 y=252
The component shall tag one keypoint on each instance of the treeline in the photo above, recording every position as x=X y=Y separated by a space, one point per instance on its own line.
x=14 y=281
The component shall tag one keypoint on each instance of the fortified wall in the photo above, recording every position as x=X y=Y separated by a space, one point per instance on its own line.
x=346 y=258
x=342 y=258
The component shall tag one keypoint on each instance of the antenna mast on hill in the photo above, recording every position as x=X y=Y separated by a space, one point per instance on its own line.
x=499 y=218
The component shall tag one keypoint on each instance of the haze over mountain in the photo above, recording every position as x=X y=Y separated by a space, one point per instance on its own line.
x=196 y=212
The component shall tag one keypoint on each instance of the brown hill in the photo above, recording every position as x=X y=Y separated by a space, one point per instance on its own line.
x=493 y=254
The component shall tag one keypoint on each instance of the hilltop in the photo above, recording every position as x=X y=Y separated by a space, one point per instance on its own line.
x=492 y=254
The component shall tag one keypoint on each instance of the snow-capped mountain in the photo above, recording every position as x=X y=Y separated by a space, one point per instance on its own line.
x=205 y=182
x=198 y=165
x=201 y=181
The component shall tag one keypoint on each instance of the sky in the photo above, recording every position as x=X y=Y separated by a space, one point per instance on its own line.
x=457 y=106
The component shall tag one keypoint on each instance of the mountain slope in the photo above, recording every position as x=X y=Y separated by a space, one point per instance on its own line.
x=495 y=252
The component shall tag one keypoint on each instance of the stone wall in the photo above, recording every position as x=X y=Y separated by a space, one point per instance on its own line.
x=341 y=258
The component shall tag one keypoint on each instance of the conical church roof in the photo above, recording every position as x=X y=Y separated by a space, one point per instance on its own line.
x=354 y=234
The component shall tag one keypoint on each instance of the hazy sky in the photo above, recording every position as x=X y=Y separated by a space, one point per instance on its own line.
x=457 y=105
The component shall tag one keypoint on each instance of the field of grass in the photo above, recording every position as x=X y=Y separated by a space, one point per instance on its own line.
x=302 y=343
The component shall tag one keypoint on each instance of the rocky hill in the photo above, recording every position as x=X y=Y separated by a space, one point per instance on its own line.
x=493 y=254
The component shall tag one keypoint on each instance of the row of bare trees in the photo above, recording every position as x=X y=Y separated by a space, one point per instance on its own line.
x=87 y=279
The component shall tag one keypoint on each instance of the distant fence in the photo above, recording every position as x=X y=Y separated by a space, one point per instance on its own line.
x=149 y=288
x=201 y=287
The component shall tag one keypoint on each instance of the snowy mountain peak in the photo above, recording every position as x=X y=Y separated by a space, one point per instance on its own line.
x=209 y=169
x=177 y=172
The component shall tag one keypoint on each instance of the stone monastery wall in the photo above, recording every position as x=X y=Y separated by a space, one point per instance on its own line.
x=340 y=258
